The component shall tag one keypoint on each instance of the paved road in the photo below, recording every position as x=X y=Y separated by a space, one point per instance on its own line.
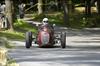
x=83 y=50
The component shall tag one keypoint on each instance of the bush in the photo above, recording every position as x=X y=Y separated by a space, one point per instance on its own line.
x=79 y=20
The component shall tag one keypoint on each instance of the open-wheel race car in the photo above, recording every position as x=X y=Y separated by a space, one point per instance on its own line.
x=46 y=38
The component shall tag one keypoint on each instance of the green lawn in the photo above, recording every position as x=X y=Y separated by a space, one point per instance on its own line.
x=20 y=28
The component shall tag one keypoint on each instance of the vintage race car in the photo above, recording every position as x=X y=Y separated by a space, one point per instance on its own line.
x=46 y=37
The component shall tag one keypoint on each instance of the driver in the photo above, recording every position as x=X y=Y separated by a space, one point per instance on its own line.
x=44 y=24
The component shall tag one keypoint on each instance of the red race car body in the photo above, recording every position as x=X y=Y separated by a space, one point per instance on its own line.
x=45 y=36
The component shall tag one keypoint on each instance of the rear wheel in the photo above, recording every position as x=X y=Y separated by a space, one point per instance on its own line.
x=63 y=40
x=28 y=39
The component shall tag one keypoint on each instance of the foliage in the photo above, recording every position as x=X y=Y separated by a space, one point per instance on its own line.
x=76 y=20
x=81 y=21
x=22 y=26
x=54 y=18
x=11 y=62
x=97 y=21
x=12 y=35
x=78 y=1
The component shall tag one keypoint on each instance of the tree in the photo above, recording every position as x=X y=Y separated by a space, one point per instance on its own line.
x=88 y=7
x=71 y=6
x=40 y=10
x=65 y=8
x=59 y=5
x=9 y=12
x=97 y=5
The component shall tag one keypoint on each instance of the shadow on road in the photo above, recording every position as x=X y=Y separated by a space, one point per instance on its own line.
x=68 y=56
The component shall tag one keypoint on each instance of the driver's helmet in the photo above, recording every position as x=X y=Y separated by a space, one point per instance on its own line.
x=45 y=21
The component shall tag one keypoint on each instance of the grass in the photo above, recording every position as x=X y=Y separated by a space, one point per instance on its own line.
x=11 y=35
x=20 y=28
x=4 y=42
x=11 y=62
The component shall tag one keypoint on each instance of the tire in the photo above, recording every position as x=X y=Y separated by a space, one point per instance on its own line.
x=28 y=39
x=63 y=40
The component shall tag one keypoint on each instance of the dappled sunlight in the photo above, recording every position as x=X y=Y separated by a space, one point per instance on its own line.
x=53 y=64
x=56 y=56
x=82 y=9
x=75 y=18
x=88 y=37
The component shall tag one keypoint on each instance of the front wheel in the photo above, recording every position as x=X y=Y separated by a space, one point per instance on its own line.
x=63 y=40
x=28 y=39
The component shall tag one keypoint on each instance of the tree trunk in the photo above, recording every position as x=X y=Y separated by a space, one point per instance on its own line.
x=88 y=7
x=40 y=10
x=59 y=5
x=9 y=13
x=71 y=6
x=15 y=9
x=98 y=6
x=65 y=8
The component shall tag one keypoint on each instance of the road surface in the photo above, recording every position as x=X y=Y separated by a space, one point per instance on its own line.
x=83 y=49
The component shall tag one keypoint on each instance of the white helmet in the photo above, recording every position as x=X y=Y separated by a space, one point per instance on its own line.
x=45 y=20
